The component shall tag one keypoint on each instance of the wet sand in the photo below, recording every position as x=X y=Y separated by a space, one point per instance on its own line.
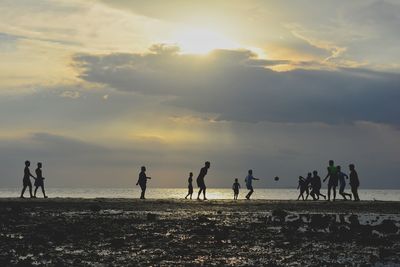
x=104 y=232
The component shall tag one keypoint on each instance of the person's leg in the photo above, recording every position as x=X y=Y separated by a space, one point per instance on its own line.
x=30 y=190
x=44 y=193
x=251 y=192
x=204 y=193
x=307 y=193
x=329 y=191
x=334 y=192
x=23 y=191
x=198 y=195
x=34 y=192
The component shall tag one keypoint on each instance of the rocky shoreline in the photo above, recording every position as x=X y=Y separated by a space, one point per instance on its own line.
x=104 y=232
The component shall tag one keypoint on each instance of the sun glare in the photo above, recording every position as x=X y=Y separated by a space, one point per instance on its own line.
x=202 y=41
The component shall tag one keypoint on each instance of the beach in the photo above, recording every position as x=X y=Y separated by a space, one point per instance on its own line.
x=170 y=232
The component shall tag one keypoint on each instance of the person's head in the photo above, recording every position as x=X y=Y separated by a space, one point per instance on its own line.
x=190 y=174
x=331 y=163
x=27 y=163
x=39 y=165
x=315 y=173
x=207 y=164
x=143 y=168
x=309 y=174
x=236 y=180
x=338 y=167
x=351 y=167
x=250 y=171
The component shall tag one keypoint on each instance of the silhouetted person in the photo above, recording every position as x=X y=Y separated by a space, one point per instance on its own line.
x=249 y=183
x=333 y=180
x=142 y=181
x=39 y=182
x=27 y=179
x=342 y=183
x=308 y=184
x=302 y=187
x=316 y=186
x=190 y=186
x=200 y=180
x=354 y=182
x=235 y=188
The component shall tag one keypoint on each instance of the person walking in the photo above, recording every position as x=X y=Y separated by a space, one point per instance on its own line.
x=142 y=181
x=26 y=182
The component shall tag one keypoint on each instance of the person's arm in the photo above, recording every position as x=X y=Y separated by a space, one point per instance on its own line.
x=239 y=185
x=345 y=175
x=30 y=174
x=233 y=187
x=326 y=177
x=254 y=178
x=148 y=177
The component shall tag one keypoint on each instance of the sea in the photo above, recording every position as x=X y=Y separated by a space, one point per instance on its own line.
x=180 y=193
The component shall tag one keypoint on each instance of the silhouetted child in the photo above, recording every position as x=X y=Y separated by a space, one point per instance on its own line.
x=333 y=180
x=302 y=186
x=142 y=181
x=190 y=186
x=27 y=179
x=342 y=183
x=200 y=180
x=39 y=182
x=249 y=183
x=316 y=186
x=235 y=188
x=354 y=182
x=307 y=183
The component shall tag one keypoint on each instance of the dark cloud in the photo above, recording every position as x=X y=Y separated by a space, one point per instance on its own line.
x=237 y=86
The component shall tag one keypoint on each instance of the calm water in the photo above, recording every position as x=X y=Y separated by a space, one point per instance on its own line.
x=212 y=193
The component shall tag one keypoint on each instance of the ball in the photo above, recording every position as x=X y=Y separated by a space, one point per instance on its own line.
x=276 y=178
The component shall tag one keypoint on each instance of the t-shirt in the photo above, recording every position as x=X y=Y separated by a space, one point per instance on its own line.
x=142 y=178
x=190 y=180
x=249 y=180
x=354 y=179
x=341 y=177
x=26 y=173
x=236 y=186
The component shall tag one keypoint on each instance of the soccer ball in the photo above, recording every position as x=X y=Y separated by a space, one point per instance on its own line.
x=276 y=178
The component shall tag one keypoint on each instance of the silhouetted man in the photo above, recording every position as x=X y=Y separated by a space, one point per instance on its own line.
x=27 y=179
x=333 y=179
x=142 y=181
x=307 y=182
x=249 y=183
x=200 y=180
x=39 y=180
x=354 y=182
x=342 y=183
x=190 y=186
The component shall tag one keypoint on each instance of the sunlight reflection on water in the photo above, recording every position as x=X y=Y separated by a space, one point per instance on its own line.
x=178 y=193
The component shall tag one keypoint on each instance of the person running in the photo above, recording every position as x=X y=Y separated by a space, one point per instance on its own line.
x=39 y=182
x=333 y=179
x=142 y=181
x=235 y=188
x=342 y=183
x=354 y=182
x=249 y=183
x=190 y=186
x=27 y=180
x=302 y=187
x=316 y=186
x=200 y=180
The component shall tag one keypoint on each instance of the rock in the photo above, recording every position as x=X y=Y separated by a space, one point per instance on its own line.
x=151 y=216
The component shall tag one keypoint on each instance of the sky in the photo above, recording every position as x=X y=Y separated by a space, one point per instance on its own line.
x=94 y=89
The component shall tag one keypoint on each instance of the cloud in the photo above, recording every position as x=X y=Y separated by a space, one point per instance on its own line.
x=237 y=86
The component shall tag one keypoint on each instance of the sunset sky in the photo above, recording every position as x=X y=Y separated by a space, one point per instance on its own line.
x=95 y=89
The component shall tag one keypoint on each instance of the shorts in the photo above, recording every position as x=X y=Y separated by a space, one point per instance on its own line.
x=332 y=182
x=27 y=182
x=201 y=184
x=236 y=192
x=190 y=189
x=143 y=187
x=249 y=187
x=38 y=182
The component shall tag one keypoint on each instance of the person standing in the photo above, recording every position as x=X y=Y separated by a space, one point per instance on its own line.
x=333 y=179
x=142 y=181
x=190 y=186
x=39 y=182
x=354 y=182
x=200 y=180
x=27 y=179
x=235 y=188
x=249 y=183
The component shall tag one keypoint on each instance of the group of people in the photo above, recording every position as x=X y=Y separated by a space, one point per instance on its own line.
x=39 y=180
x=311 y=185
